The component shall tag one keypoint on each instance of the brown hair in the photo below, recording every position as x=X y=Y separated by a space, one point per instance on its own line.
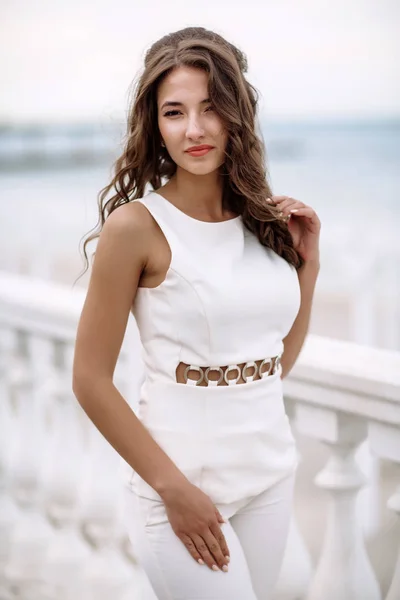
x=144 y=160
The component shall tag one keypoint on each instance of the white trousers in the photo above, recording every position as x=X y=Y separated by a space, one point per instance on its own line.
x=256 y=534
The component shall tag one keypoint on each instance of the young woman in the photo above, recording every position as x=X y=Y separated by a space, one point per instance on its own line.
x=219 y=275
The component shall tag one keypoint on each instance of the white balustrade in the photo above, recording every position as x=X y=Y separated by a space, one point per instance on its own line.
x=32 y=533
x=9 y=513
x=342 y=393
x=385 y=442
x=52 y=459
x=61 y=529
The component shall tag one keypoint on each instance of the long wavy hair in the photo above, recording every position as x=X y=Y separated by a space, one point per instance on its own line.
x=244 y=173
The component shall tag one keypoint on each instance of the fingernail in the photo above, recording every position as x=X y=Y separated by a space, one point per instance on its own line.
x=225 y=568
x=269 y=200
x=294 y=210
x=227 y=558
x=201 y=561
x=215 y=568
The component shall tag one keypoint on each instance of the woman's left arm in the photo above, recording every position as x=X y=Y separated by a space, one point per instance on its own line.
x=304 y=225
x=294 y=340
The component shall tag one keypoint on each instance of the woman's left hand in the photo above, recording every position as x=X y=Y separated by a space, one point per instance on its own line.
x=303 y=224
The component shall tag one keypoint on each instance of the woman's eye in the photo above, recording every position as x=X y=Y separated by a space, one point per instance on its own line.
x=171 y=113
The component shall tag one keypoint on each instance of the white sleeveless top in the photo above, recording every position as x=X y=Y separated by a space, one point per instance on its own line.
x=225 y=300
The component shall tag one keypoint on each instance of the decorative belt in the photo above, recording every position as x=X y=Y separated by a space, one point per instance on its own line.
x=240 y=371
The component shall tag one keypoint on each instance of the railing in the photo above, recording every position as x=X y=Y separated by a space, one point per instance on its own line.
x=61 y=529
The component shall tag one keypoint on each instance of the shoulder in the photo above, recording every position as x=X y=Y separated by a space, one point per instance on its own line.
x=128 y=232
x=131 y=217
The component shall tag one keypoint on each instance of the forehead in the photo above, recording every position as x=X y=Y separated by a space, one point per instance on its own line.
x=184 y=84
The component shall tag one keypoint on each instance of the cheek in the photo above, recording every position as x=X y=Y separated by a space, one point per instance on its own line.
x=171 y=132
x=167 y=127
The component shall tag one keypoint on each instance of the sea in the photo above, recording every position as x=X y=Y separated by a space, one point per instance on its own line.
x=348 y=171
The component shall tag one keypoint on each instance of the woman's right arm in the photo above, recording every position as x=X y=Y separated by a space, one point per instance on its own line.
x=121 y=256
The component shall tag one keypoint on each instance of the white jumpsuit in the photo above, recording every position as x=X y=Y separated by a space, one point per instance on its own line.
x=226 y=300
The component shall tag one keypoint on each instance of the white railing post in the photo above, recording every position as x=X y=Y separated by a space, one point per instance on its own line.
x=9 y=514
x=108 y=572
x=394 y=591
x=32 y=533
x=297 y=569
x=67 y=552
x=385 y=442
x=343 y=569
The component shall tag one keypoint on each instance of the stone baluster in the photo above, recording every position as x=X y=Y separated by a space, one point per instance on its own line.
x=8 y=510
x=297 y=567
x=32 y=532
x=385 y=442
x=99 y=490
x=67 y=552
x=394 y=591
x=108 y=572
x=343 y=570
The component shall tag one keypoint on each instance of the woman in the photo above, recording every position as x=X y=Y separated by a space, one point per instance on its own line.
x=220 y=277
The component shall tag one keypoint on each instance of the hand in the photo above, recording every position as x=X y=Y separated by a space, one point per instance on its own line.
x=303 y=224
x=195 y=520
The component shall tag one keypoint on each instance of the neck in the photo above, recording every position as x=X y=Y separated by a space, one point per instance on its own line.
x=198 y=195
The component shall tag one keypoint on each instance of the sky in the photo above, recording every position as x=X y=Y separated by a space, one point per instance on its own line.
x=74 y=61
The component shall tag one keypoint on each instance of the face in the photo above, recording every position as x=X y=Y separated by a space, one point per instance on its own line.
x=186 y=118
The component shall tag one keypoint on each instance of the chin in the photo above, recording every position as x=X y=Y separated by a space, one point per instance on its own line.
x=201 y=168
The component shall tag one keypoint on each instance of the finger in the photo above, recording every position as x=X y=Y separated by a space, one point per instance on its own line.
x=214 y=546
x=191 y=548
x=219 y=536
x=279 y=199
x=220 y=517
x=204 y=552
x=289 y=204
x=305 y=211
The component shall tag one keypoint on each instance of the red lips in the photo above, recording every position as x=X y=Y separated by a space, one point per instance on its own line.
x=198 y=148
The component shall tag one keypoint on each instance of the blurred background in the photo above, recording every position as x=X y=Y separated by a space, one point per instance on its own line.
x=329 y=111
x=329 y=84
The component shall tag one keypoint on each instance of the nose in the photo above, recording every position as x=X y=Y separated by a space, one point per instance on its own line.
x=194 y=129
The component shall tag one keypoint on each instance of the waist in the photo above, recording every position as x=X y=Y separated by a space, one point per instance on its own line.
x=228 y=374
x=189 y=408
x=221 y=435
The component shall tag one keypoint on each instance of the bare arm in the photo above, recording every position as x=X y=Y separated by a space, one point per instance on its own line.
x=294 y=340
x=120 y=258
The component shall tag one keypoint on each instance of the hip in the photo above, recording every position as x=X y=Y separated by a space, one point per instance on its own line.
x=231 y=441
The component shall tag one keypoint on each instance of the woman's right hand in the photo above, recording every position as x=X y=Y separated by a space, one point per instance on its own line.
x=196 y=522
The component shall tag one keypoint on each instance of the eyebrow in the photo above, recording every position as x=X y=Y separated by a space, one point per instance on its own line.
x=172 y=103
